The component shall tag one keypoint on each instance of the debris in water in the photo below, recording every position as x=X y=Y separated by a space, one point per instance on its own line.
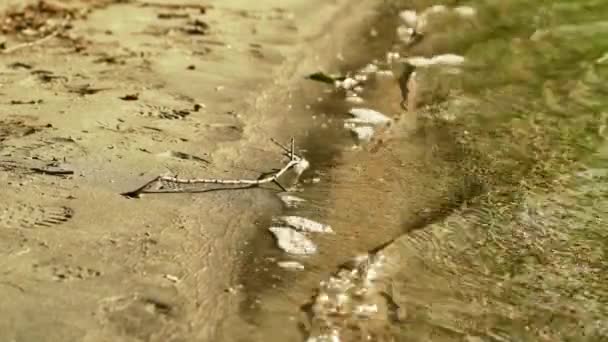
x=347 y=297
x=293 y=242
x=365 y=310
x=291 y=201
x=301 y=166
x=435 y=9
x=347 y=83
x=406 y=34
x=361 y=78
x=368 y=116
x=305 y=225
x=325 y=78
x=422 y=19
x=363 y=133
x=409 y=17
x=392 y=56
x=354 y=99
x=385 y=73
x=465 y=11
x=370 y=68
x=291 y=265
x=446 y=60
x=449 y=59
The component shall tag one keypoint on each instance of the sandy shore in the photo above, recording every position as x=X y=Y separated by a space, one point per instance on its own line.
x=128 y=91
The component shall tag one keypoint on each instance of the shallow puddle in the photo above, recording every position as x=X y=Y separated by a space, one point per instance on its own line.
x=478 y=216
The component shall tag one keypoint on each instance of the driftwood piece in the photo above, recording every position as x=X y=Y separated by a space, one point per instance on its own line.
x=30 y=44
x=294 y=161
x=58 y=30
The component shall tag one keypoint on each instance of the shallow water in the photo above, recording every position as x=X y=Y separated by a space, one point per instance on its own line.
x=481 y=216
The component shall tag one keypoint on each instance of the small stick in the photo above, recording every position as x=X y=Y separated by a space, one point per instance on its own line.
x=29 y=44
x=280 y=185
x=52 y=172
x=283 y=147
x=272 y=178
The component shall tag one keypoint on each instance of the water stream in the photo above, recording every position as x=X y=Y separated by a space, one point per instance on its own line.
x=479 y=216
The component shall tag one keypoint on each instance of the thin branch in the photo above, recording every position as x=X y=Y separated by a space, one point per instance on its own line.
x=283 y=147
x=30 y=44
x=280 y=185
x=271 y=178
x=52 y=172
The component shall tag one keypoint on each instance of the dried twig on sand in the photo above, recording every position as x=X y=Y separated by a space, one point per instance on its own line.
x=58 y=30
x=295 y=162
x=30 y=44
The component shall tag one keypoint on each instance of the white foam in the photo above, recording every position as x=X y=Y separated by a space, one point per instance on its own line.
x=370 y=68
x=409 y=17
x=363 y=133
x=349 y=296
x=302 y=224
x=445 y=60
x=465 y=11
x=368 y=116
x=354 y=99
x=291 y=201
x=347 y=83
x=301 y=166
x=435 y=9
x=291 y=265
x=405 y=33
x=293 y=242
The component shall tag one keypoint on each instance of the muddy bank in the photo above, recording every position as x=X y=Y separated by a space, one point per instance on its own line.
x=115 y=94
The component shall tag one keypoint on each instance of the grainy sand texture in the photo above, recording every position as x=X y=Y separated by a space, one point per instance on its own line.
x=110 y=94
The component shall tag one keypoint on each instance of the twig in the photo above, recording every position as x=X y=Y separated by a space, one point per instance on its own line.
x=294 y=160
x=29 y=44
x=52 y=172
